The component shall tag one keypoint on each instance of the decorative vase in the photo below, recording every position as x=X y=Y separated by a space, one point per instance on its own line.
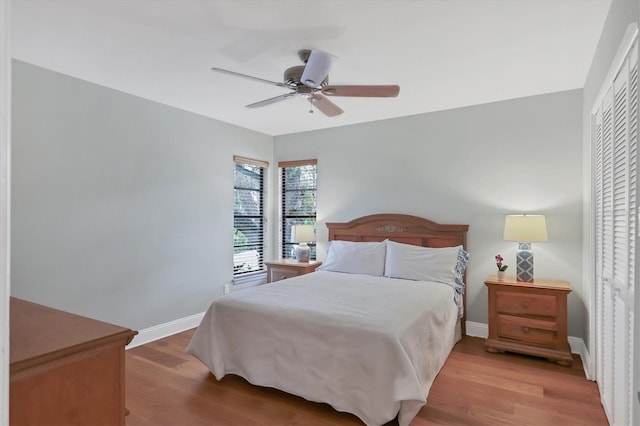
x=302 y=252
x=501 y=275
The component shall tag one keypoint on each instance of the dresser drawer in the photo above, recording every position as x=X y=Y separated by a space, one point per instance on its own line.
x=510 y=302
x=528 y=330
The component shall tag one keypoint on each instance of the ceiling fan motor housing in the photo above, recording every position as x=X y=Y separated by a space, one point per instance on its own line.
x=293 y=76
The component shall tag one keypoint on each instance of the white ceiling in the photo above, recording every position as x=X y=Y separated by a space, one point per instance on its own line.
x=443 y=53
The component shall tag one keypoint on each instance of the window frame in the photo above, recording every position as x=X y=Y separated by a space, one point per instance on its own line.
x=285 y=219
x=260 y=216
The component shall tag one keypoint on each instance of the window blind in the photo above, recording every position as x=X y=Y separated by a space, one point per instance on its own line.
x=298 y=200
x=248 y=215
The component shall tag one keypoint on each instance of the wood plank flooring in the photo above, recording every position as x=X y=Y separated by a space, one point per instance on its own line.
x=165 y=386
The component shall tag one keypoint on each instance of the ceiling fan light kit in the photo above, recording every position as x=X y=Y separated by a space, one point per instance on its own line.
x=311 y=81
x=317 y=68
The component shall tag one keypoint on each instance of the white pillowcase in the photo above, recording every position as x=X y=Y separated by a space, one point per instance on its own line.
x=355 y=257
x=411 y=262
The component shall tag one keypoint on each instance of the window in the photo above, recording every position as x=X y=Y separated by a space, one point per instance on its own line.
x=298 y=200
x=248 y=215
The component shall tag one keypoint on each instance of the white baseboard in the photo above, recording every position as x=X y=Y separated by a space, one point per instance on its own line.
x=164 y=330
x=579 y=347
x=478 y=329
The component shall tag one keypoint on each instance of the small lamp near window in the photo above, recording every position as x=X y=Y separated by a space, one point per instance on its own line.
x=525 y=229
x=302 y=234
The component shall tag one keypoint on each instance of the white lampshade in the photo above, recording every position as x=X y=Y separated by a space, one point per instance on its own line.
x=317 y=68
x=302 y=233
x=525 y=228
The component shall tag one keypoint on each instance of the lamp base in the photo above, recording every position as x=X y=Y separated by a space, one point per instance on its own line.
x=302 y=252
x=524 y=260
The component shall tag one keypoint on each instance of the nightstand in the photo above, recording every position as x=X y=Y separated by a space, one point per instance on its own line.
x=529 y=318
x=281 y=269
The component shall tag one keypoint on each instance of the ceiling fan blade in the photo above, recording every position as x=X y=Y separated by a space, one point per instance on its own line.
x=261 y=80
x=272 y=100
x=390 y=91
x=325 y=106
x=317 y=68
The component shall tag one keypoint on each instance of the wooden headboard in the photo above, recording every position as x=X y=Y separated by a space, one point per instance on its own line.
x=403 y=229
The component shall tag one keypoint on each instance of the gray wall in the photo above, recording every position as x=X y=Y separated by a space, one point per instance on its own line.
x=122 y=208
x=469 y=165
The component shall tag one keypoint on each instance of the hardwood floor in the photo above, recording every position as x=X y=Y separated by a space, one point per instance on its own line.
x=165 y=386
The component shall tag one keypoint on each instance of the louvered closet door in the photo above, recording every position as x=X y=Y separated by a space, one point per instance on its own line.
x=614 y=134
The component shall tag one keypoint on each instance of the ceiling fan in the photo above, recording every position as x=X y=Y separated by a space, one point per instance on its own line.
x=311 y=81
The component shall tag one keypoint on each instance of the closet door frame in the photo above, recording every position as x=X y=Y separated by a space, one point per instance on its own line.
x=5 y=177
x=597 y=338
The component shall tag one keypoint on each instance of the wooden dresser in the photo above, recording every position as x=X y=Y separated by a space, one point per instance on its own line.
x=281 y=269
x=65 y=369
x=529 y=318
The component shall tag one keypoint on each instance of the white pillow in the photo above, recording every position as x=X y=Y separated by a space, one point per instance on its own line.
x=355 y=257
x=422 y=263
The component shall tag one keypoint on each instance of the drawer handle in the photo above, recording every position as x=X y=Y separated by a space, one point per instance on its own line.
x=526 y=330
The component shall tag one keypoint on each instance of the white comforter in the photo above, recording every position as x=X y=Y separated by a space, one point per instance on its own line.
x=367 y=345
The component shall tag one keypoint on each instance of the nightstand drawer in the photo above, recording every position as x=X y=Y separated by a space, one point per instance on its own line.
x=281 y=269
x=515 y=303
x=277 y=274
x=528 y=330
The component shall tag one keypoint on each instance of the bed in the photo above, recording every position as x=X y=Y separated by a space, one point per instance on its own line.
x=365 y=337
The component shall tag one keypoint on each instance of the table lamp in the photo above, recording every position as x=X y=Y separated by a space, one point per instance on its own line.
x=525 y=229
x=302 y=234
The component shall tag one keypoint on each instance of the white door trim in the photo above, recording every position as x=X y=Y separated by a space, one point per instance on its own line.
x=5 y=144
